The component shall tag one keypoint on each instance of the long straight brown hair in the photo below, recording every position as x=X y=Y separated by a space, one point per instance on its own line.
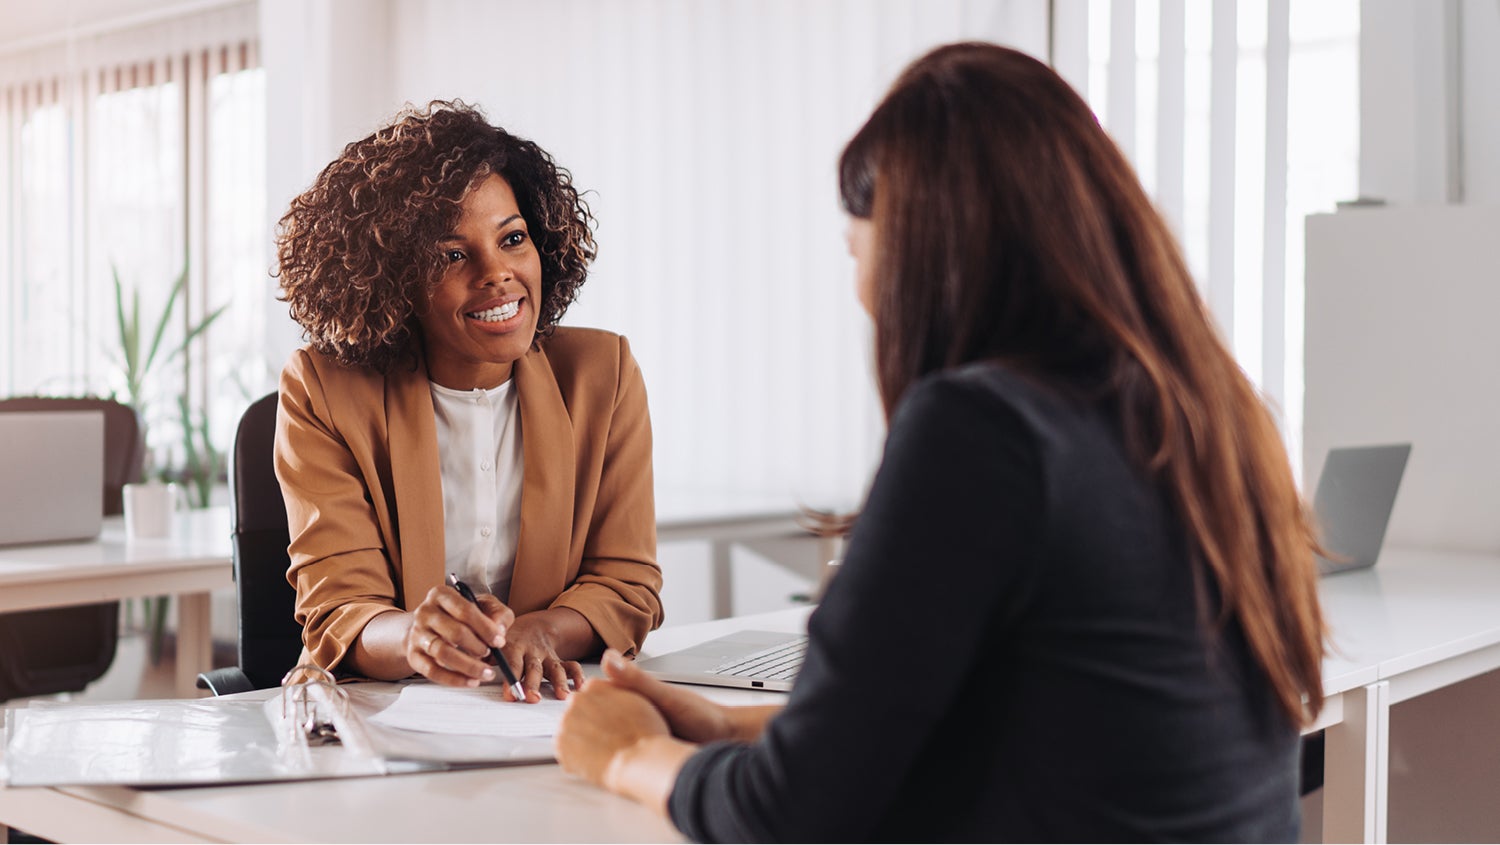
x=1010 y=227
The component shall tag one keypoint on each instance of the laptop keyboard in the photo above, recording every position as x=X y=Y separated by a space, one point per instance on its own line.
x=777 y=663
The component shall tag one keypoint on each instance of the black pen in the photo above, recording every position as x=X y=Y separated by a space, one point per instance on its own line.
x=510 y=677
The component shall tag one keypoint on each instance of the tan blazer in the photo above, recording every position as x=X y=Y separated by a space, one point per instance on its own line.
x=357 y=457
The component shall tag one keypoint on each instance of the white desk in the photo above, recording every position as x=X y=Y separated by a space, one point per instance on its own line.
x=722 y=520
x=1417 y=622
x=190 y=564
x=517 y=804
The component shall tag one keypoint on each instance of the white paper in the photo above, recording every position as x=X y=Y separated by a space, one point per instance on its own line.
x=478 y=711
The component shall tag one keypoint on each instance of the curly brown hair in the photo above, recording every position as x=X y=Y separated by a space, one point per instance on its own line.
x=359 y=251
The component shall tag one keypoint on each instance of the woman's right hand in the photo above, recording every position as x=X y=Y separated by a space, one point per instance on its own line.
x=450 y=638
x=690 y=716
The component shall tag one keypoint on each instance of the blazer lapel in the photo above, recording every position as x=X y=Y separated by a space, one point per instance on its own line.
x=542 y=550
x=417 y=480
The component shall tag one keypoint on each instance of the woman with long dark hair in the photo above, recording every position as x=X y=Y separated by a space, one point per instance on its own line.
x=1080 y=602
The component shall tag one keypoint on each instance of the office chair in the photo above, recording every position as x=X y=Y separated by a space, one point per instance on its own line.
x=64 y=649
x=270 y=638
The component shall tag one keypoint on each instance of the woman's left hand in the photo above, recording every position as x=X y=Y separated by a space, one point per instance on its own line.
x=531 y=648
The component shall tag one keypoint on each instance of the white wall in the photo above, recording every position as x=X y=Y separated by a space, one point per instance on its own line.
x=1402 y=346
x=327 y=83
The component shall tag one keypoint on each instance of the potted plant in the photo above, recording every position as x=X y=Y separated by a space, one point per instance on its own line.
x=139 y=356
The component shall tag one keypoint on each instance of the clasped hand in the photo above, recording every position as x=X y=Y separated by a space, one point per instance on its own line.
x=619 y=716
x=450 y=638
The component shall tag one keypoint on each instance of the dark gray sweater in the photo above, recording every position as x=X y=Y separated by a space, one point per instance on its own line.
x=1011 y=651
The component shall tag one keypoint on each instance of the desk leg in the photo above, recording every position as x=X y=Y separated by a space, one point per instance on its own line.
x=721 y=578
x=1356 y=768
x=194 y=642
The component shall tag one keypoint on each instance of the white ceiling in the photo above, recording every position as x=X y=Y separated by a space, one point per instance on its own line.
x=27 y=20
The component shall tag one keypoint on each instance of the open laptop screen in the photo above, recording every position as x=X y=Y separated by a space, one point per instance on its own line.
x=51 y=476
x=1356 y=494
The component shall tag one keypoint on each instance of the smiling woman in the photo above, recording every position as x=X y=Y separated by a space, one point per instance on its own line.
x=439 y=420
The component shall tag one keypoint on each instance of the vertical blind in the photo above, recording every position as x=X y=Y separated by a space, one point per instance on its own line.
x=1241 y=117
x=135 y=151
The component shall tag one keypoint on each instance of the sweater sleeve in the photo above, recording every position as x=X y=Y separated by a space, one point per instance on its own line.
x=942 y=554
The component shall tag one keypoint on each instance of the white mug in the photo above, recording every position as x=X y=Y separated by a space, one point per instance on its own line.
x=149 y=508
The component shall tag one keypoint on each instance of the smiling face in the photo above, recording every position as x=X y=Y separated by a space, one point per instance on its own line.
x=482 y=315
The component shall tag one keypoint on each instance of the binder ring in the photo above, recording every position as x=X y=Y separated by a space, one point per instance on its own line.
x=311 y=709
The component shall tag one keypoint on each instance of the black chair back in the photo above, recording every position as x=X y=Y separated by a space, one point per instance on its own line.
x=270 y=638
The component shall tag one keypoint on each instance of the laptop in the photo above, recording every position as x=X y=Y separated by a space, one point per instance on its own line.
x=746 y=659
x=51 y=476
x=1356 y=494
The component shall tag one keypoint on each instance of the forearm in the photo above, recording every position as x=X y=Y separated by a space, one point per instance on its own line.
x=380 y=650
x=647 y=771
x=745 y=724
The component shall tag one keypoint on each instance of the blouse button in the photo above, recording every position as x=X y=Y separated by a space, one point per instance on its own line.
x=485 y=531
x=484 y=465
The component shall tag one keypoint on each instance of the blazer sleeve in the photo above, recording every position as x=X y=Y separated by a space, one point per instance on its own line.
x=618 y=588
x=339 y=564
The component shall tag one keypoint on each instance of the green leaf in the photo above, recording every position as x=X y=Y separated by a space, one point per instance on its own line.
x=166 y=318
x=130 y=347
x=198 y=329
x=120 y=319
x=137 y=371
x=201 y=459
